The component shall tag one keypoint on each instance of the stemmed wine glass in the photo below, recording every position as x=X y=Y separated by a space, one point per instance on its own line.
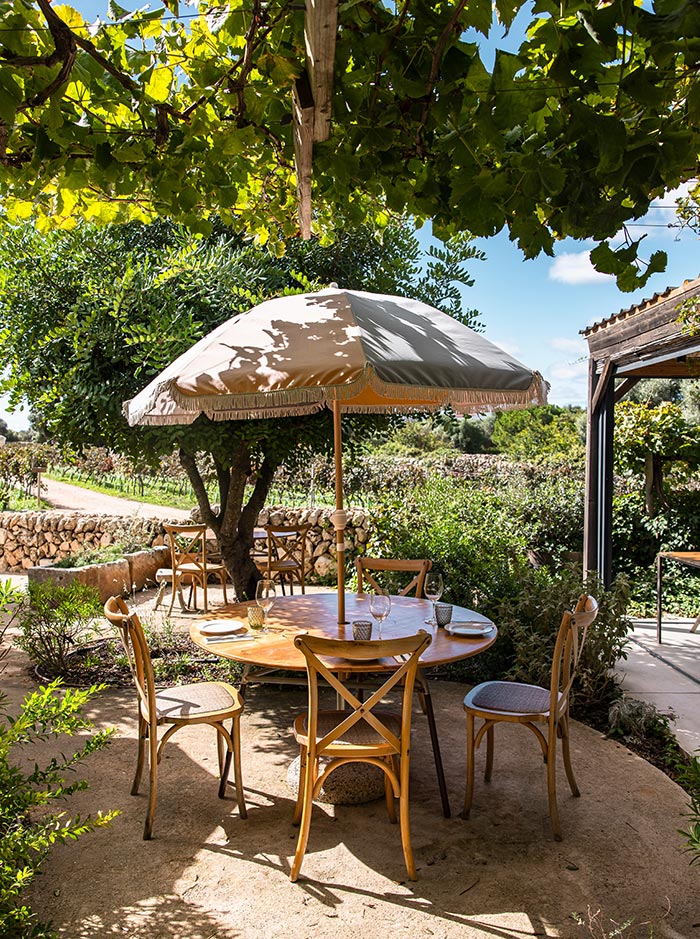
x=380 y=606
x=433 y=590
x=265 y=597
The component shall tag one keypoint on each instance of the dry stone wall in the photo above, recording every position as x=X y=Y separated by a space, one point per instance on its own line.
x=31 y=539
x=28 y=539
x=320 y=540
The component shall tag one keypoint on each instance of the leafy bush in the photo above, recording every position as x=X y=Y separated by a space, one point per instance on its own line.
x=529 y=621
x=29 y=824
x=17 y=469
x=689 y=778
x=54 y=620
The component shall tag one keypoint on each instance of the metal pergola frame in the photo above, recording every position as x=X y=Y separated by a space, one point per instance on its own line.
x=644 y=341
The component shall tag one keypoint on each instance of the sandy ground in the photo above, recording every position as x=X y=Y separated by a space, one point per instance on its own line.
x=208 y=873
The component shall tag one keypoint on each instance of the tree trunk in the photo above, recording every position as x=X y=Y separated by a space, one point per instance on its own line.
x=236 y=520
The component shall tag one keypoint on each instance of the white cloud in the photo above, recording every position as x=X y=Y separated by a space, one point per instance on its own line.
x=574 y=347
x=569 y=382
x=576 y=269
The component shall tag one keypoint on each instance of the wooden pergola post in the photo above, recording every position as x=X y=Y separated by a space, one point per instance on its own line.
x=597 y=543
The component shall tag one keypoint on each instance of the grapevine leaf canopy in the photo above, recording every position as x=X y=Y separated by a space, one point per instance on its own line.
x=217 y=109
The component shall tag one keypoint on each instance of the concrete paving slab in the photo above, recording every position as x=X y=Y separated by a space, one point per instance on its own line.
x=667 y=675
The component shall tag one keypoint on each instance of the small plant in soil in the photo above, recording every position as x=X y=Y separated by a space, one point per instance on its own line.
x=54 y=621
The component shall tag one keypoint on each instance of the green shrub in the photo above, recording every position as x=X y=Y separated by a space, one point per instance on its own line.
x=30 y=824
x=528 y=623
x=53 y=621
x=689 y=778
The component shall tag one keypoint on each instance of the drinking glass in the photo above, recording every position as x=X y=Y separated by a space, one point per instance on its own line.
x=265 y=597
x=433 y=590
x=380 y=607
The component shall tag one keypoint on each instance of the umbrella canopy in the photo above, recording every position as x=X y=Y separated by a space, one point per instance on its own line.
x=344 y=349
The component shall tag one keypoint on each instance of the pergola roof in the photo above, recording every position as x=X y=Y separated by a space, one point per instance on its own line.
x=647 y=340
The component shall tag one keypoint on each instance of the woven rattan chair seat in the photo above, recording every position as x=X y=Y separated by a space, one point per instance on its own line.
x=191 y=700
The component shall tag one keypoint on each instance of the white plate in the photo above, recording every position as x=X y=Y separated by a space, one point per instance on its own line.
x=475 y=628
x=222 y=627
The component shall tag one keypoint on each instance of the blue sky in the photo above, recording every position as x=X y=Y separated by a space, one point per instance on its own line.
x=536 y=309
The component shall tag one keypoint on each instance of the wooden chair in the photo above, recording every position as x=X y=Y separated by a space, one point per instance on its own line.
x=362 y=734
x=189 y=564
x=516 y=703
x=286 y=555
x=207 y=702
x=367 y=567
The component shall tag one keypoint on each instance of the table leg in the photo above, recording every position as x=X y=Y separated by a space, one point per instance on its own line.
x=427 y=705
x=658 y=599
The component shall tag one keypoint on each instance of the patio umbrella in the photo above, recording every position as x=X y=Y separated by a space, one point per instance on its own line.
x=343 y=349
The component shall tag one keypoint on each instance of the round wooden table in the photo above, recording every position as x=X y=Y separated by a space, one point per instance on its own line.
x=316 y=613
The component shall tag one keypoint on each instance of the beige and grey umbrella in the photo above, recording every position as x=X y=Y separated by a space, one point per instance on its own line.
x=342 y=349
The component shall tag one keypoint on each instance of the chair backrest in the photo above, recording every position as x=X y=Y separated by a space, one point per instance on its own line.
x=137 y=652
x=188 y=545
x=570 y=641
x=286 y=545
x=403 y=652
x=367 y=567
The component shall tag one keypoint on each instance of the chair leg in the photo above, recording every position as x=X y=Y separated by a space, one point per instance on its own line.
x=223 y=585
x=489 y=754
x=303 y=755
x=405 y=822
x=237 y=772
x=305 y=826
x=470 y=767
x=142 y=737
x=552 y=784
x=159 y=596
x=566 y=753
x=153 y=782
x=176 y=588
x=389 y=792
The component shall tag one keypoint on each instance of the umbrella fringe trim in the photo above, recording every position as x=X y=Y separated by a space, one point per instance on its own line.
x=298 y=401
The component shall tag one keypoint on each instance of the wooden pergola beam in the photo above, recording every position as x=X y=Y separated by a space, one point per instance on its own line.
x=320 y=32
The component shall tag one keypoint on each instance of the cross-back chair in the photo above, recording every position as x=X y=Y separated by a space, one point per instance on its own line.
x=363 y=733
x=286 y=555
x=367 y=568
x=207 y=702
x=532 y=706
x=189 y=563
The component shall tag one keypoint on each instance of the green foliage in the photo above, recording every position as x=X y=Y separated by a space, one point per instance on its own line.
x=480 y=542
x=31 y=821
x=689 y=778
x=637 y=539
x=631 y=720
x=571 y=134
x=529 y=619
x=660 y=430
x=87 y=318
x=18 y=464
x=543 y=432
x=414 y=438
x=54 y=620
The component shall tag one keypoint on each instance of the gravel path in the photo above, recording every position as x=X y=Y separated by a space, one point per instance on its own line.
x=64 y=497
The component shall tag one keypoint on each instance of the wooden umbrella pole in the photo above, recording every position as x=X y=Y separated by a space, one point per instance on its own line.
x=339 y=516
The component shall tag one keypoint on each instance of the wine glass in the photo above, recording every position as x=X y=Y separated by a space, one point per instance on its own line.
x=380 y=606
x=433 y=590
x=265 y=597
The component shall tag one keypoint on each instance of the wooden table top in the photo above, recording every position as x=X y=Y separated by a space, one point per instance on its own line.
x=317 y=613
x=692 y=558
